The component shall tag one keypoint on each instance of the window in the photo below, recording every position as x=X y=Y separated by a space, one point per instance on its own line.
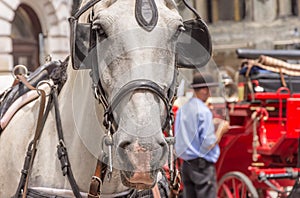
x=25 y=35
x=220 y=10
x=295 y=7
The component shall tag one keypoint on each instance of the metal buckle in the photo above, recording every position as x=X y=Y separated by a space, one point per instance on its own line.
x=109 y=143
x=100 y=184
x=50 y=83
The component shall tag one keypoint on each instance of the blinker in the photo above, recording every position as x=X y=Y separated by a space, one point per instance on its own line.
x=194 y=46
x=82 y=39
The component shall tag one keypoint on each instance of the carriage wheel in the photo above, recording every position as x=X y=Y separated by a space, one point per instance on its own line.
x=236 y=185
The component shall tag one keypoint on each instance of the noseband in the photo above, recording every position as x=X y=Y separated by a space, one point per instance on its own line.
x=135 y=85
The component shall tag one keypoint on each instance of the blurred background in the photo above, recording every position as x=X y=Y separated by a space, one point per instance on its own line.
x=33 y=30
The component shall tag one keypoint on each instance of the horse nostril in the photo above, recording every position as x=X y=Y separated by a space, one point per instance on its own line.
x=121 y=150
x=124 y=144
x=163 y=144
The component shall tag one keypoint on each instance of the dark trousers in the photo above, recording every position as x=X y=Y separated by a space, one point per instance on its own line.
x=199 y=179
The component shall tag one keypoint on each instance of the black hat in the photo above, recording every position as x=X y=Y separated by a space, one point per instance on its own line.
x=203 y=80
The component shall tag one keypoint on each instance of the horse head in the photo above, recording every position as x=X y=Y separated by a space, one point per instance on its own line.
x=135 y=74
x=132 y=53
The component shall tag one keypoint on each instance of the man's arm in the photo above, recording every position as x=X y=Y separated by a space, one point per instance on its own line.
x=222 y=126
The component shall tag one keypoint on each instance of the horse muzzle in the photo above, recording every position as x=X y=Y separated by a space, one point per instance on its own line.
x=139 y=180
x=139 y=161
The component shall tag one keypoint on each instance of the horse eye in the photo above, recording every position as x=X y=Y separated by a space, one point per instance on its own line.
x=181 y=28
x=101 y=32
x=99 y=29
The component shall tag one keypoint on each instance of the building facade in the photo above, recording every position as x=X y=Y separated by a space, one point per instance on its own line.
x=30 y=30
x=255 y=24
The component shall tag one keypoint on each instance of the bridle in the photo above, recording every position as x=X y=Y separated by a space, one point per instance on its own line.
x=82 y=59
x=167 y=97
x=109 y=106
x=137 y=85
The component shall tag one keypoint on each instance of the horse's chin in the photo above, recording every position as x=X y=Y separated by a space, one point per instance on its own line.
x=139 y=180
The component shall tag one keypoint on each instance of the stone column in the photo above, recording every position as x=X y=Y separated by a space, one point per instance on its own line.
x=264 y=10
x=215 y=10
x=285 y=8
x=6 y=16
x=298 y=7
x=201 y=7
x=237 y=14
x=249 y=10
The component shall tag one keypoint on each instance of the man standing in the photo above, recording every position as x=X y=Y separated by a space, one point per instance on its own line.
x=197 y=142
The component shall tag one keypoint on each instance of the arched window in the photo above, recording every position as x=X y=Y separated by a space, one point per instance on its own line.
x=220 y=10
x=25 y=36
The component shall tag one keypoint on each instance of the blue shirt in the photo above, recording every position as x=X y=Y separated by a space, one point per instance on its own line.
x=195 y=132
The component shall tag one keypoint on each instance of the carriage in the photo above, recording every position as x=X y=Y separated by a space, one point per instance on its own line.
x=259 y=154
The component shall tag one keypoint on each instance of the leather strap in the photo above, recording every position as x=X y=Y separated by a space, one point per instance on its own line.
x=28 y=156
x=84 y=8
x=282 y=78
x=38 y=130
x=175 y=184
x=62 y=150
x=155 y=191
x=192 y=9
x=97 y=180
x=139 y=84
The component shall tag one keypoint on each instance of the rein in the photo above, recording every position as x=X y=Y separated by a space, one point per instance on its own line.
x=32 y=147
x=31 y=152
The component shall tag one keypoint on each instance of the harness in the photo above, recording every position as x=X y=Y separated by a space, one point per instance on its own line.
x=53 y=70
x=55 y=83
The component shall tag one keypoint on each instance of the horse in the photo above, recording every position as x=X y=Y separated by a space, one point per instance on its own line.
x=111 y=109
